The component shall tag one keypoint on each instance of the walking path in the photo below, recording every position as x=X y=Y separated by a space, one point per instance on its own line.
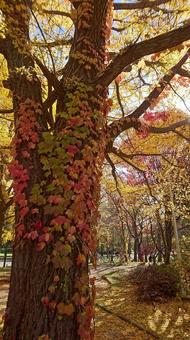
x=4 y=287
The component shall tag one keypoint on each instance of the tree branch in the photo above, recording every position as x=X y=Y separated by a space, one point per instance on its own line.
x=184 y=73
x=169 y=128
x=50 y=76
x=119 y=98
x=181 y=135
x=113 y=171
x=7 y=119
x=43 y=36
x=139 y=5
x=59 y=42
x=136 y=51
x=6 y=111
x=3 y=46
x=54 y=12
x=122 y=155
x=122 y=124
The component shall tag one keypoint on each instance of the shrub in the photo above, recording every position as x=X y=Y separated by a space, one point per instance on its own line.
x=137 y=275
x=156 y=282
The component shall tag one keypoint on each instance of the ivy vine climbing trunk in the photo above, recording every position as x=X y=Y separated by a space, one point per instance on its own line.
x=56 y=175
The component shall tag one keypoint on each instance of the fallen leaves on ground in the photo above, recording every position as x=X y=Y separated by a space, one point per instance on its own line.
x=169 y=320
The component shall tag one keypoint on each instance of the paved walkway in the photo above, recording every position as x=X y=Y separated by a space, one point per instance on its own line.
x=4 y=288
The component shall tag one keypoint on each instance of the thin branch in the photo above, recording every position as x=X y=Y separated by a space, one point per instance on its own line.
x=5 y=148
x=125 y=158
x=54 y=12
x=169 y=128
x=43 y=36
x=181 y=135
x=113 y=172
x=180 y=97
x=136 y=51
x=119 y=29
x=122 y=124
x=184 y=73
x=172 y=163
x=49 y=75
x=7 y=119
x=119 y=98
x=139 y=5
x=57 y=86
x=131 y=156
x=122 y=155
x=59 y=42
x=6 y=111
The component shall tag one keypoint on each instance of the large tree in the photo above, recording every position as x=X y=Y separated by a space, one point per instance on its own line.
x=57 y=160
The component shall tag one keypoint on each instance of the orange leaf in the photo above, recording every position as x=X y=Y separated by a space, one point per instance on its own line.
x=60 y=308
x=40 y=246
x=65 y=309
x=69 y=309
x=81 y=259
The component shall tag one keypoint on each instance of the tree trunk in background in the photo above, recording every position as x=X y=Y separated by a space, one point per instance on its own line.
x=129 y=247
x=168 y=238
x=2 y=205
x=159 y=246
x=124 y=243
x=136 y=248
x=140 y=254
x=56 y=181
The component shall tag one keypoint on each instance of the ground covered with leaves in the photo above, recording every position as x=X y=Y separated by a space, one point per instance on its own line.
x=117 y=296
x=119 y=313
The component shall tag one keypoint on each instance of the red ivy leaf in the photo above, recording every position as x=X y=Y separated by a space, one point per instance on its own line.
x=40 y=246
x=59 y=220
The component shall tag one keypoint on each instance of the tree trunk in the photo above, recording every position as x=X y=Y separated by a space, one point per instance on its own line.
x=140 y=253
x=136 y=248
x=2 y=205
x=159 y=242
x=168 y=238
x=56 y=181
x=124 y=243
x=129 y=247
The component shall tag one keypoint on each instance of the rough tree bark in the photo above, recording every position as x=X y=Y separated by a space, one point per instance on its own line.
x=56 y=179
x=57 y=171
